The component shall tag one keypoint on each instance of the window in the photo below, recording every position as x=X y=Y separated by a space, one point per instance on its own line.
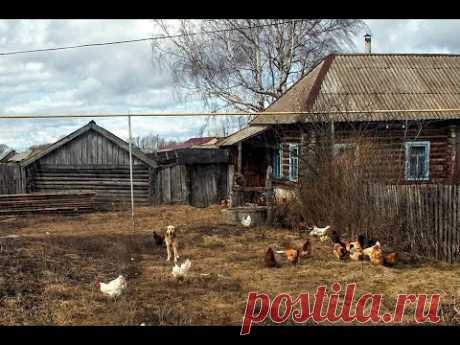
x=417 y=160
x=278 y=161
x=293 y=162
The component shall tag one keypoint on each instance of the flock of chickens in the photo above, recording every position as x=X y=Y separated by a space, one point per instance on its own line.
x=361 y=249
x=114 y=288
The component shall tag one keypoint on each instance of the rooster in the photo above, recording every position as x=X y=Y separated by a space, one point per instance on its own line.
x=159 y=240
x=114 y=288
x=181 y=272
x=319 y=231
x=270 y=260
x=246 y=221
x=339 y=248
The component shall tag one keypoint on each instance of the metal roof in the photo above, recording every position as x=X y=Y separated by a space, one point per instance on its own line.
x=243 y=134
x=366 y=82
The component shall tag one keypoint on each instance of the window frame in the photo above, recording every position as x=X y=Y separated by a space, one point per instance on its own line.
x=291 y=177
x=278 y=150
x=407 y=146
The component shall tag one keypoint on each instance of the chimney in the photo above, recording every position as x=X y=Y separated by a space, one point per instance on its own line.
x=367 y=44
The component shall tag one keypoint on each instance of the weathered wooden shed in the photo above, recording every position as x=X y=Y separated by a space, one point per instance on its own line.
x=92 y=159
x=195 y=176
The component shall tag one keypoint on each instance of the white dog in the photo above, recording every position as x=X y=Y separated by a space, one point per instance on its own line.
x=171 y=243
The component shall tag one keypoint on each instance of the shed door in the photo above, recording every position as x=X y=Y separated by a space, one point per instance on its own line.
x=208 y=184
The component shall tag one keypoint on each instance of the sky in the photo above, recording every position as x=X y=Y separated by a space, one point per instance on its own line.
x=123 y=78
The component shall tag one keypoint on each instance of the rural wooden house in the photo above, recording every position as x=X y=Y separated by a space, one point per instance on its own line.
x=389 y=98
x=91 y=159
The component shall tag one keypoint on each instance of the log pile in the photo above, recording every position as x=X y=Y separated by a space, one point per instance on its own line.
x=46 y=203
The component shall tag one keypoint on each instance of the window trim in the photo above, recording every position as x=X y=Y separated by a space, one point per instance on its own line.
x=408 y=145
x=291 y=177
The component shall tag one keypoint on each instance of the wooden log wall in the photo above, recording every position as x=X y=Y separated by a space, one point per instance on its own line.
x=429 y=214
x=389 y=148
x=41 y=203
x=111 y=183
x=12 y=179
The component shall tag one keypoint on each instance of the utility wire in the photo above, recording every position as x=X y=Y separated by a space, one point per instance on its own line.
x=155 y=38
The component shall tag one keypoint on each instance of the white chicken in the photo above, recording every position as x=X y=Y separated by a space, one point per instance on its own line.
x=319 y=231
x=114 y=288
x=181 y=272
x=246 y=221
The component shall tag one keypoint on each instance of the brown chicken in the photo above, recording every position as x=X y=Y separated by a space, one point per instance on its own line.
x=390 y=259
x=376 y=254
x=355 y=252
x=306 y=249
x=340 y=251
x=292 y=256
x=270 y=260
x=159 y=240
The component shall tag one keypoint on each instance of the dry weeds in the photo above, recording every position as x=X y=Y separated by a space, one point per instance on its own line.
x=50 y=278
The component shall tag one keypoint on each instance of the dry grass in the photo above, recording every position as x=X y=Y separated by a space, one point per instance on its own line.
x=49 y=279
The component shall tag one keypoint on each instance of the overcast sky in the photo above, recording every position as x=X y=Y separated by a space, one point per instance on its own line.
x=122 y=78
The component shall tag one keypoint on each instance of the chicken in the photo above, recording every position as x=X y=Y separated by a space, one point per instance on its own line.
x=335 y=238
x=339 y=251
x=114 y=288
x=355 y=251
x=224 y=203
x=306 y=249
x=246 y=221
x=270 y=260
x=291 y=254
x=375 y=254
x=159 y=240
x=364 y=242
x=389 y=260
x=339 y=248
x=260 y=201
x=181 y=272
x=319 y=231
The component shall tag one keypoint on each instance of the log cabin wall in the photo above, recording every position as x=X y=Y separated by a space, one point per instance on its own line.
x=389 y=140
x=388 y=144
x=91 y=162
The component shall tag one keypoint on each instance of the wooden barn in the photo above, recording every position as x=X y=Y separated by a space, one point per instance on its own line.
x=346 y=93
x=91 y=159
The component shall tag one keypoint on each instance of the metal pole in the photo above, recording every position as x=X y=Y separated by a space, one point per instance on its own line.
x=131 y=170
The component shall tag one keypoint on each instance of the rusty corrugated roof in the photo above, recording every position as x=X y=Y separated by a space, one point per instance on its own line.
x=366 y=82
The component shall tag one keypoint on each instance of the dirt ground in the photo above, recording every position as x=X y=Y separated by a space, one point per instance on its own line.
x=48 y=273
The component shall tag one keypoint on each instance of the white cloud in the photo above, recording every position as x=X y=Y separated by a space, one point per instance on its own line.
x=122 y=78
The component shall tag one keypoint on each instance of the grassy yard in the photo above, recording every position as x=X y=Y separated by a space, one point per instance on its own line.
x=50 y=278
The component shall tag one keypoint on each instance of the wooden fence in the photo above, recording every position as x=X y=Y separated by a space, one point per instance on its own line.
x=12 y=179
x=428 y=218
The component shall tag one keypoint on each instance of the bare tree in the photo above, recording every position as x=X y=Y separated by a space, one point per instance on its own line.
x=152 y=143
x=246 y=64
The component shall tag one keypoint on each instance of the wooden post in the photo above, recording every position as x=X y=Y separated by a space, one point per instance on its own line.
x=131 y=171
x=230 y=183
x=269 y=194
x=240 y=157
